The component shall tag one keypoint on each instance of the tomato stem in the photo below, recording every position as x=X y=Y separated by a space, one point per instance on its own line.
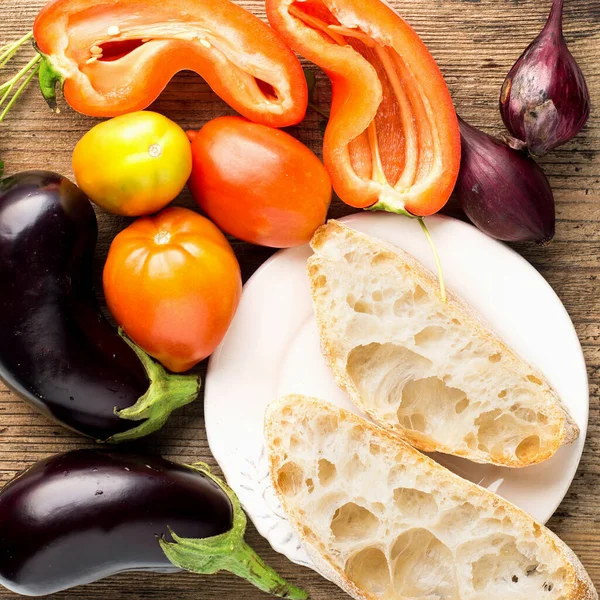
x=436 y=257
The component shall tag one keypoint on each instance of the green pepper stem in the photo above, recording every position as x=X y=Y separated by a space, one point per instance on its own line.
x=166 y=393
x=227 y=552
x=436 y=257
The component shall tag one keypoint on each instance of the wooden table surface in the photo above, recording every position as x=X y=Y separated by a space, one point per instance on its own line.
x=475 y=43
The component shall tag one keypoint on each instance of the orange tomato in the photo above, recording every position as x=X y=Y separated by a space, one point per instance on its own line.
x=173 y=283
x=257 y=183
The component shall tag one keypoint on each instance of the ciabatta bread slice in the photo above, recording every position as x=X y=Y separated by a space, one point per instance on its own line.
x=432 y=372
x=386 y=522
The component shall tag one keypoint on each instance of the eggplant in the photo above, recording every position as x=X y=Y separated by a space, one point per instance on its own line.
x=78 y=517
x=57 y=350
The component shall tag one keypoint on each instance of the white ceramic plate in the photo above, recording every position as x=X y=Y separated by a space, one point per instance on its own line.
x=272 y=348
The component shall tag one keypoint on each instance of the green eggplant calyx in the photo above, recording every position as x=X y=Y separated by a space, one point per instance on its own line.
x=166 y=393
x=227 y=552
x=49 y=78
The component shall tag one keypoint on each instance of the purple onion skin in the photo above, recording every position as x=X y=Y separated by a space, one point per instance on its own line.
x=503 y=192
x=545 y=100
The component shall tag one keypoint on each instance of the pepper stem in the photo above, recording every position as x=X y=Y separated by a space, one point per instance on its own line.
x=436 y=257
x=166 y=393
x=49 y=78
x=227 y=552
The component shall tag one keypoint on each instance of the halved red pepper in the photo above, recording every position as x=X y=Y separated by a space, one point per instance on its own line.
x=392 y=142
x=116 y=56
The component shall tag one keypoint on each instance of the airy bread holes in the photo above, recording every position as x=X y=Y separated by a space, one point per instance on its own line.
x=403 y=304
x=528 y=448
x=535 y=380
x=471 y=440
x=459 y=518
x=375 y=448
x=526 y=414
x=425 y=395
x=429 y=336
x=296 y=443
x=353 y=522
x=368 y=569
x=325 y=425
x=423 y=567
x=320 y=281
x=290 y=479
x=363 y=307
x=492 y=424
x=354 y=466
x=461 y=405
x=414 y=504
x=396 y=475
x=420 y=295
x=382 y=258
x=504 y=571
x=414 y=422
x=379 y=370
x=327 y=472
x=350 y=257
x=495 y=358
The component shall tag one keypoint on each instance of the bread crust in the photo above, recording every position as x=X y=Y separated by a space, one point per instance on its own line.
x=295 y=407
x=567 y=430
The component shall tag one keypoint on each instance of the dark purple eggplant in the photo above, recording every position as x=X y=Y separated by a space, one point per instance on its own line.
x=78 y=517
x=57 y=351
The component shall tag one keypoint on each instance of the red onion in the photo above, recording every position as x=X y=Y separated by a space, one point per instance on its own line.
x=545 y=100
x=503 y=191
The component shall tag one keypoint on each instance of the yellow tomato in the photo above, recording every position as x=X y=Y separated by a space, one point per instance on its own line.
x=134 y=164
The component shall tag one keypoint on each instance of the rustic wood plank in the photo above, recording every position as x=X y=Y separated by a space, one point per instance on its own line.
x=475 y=43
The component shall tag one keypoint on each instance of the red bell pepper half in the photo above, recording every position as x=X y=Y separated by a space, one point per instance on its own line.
x=392 y=141
x=116 y=56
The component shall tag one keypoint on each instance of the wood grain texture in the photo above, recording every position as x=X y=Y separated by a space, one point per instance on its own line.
x=475 y=43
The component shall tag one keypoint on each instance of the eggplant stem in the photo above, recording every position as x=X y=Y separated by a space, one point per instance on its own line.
x=436 y=257
x=228 y=551
x=166 y=393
